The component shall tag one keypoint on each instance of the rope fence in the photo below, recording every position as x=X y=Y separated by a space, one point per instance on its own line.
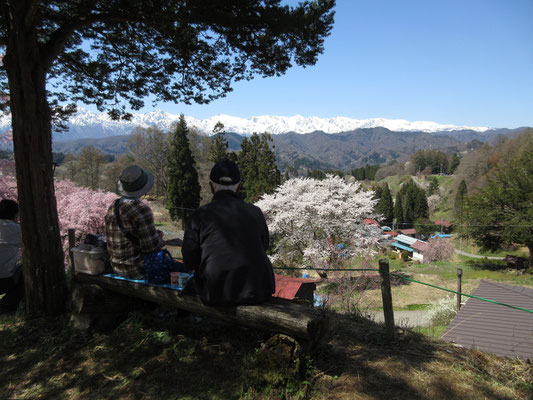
x=405 y=278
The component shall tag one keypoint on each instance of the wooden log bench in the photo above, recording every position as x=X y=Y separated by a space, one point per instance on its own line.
x=278 y=315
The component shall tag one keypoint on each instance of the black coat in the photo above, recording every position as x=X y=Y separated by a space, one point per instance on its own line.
x=225 y=243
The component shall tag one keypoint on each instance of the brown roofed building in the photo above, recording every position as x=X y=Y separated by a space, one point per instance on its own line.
x=445 y=226
x=369 y=221
x=408 y=232
x=492 y=327
x=292 y=288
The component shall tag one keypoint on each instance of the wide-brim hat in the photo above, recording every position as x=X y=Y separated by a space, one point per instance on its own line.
x=135 y=182
x=225 y=173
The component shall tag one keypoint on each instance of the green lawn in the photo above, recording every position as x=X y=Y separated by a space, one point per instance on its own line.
x=473 y=269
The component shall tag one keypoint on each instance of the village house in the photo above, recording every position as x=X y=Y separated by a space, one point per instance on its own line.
x=444 y=226
x=409 y=232
x=415 y=247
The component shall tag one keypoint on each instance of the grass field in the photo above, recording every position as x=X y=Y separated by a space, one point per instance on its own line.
x=444 y=274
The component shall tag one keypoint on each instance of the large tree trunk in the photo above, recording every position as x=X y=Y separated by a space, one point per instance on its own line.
x=44 y=272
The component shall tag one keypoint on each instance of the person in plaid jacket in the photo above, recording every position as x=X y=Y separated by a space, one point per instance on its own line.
x=127 y=255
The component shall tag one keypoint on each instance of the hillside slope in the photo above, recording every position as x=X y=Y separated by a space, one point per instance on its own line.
x=153 y=357
x=319 y=150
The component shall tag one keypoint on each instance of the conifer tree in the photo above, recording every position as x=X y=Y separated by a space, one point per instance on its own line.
x=385 y=205
x=502 y=213
x=378 y=192
x=183 y=192
x=257 y=162
x=409 y=215
x=421 y=208
x=454 y=163
x=219 y=144
x=398 y=208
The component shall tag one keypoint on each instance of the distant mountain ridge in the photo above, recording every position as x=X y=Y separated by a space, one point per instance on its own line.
x=320 y=150
x=86 y=124
x=324 y=143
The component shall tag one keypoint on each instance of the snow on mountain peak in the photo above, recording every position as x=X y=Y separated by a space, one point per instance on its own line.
x=89 y=124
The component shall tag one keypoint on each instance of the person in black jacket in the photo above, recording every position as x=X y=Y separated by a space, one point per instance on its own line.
x=225 y=243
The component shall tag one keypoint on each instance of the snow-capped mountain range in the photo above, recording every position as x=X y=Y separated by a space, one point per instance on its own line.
x=98 y=125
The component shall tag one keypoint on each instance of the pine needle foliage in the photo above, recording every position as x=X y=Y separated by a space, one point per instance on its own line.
x=257 y=162
x=502 y=213
x=183 y=191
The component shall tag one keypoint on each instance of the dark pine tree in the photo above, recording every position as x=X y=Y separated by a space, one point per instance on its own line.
x=454 y=163
x=501 y=213
x=398 y=209
x=257 y=162
x=409 y=214
x=219 y=144
x=183 y=191
x=421 y=208
x=378 y=192
x=385 y=206
x=316 y=174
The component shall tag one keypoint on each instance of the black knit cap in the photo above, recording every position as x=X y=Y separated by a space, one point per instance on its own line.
x=225 y=173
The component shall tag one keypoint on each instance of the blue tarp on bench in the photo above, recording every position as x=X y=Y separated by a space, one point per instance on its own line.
x=144 y=282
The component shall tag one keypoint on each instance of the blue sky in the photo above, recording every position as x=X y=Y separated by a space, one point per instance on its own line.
x=466 y=62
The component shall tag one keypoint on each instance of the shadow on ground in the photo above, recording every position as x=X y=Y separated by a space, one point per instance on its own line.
x=178 y=358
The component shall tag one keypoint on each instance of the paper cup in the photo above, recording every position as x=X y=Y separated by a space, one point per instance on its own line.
x=183 y=277
x=174 y=278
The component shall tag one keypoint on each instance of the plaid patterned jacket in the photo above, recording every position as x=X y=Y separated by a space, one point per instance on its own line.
x=126 y=256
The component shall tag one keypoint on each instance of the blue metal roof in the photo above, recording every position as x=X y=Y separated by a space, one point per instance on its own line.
x=401 y=246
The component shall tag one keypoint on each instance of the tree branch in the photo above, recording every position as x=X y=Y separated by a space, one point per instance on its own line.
x=58 y=39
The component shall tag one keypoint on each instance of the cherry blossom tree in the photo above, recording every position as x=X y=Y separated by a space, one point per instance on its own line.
x=439 y=249
x=6 y=137
x=319 y=221
x=8 y=184
x=79 y=208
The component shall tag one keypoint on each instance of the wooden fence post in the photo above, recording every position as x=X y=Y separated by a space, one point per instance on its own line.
x=459 y=277
x=386 y=295
x=71 y=244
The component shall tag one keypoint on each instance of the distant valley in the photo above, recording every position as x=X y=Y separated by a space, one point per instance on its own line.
x=319 y=150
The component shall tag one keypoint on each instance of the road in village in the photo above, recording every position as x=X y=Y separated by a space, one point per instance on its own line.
x=404 y=319
x=476 y=256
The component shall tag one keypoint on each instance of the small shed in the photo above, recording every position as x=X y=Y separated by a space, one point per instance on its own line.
x=293 y=288
x=444 y=225
x=492 y=327
x=408 y=232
